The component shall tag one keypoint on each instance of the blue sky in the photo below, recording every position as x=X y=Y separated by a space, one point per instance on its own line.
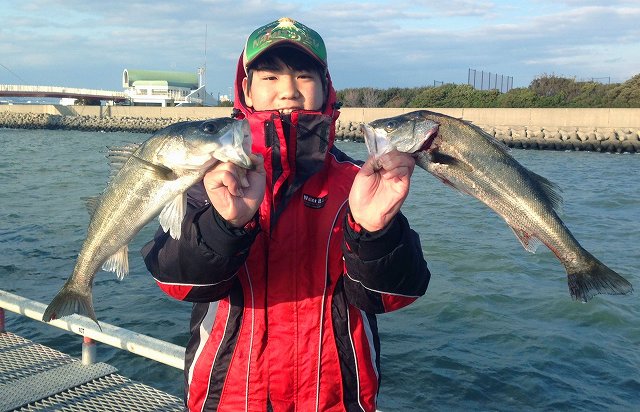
x=382 y=44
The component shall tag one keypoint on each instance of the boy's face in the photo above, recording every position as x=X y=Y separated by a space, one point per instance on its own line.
x=284 y=89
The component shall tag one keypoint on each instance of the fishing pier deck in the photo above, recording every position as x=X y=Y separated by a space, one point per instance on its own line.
x=34 y=377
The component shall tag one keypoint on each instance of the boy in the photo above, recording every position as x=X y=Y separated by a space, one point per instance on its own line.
x=288 y=265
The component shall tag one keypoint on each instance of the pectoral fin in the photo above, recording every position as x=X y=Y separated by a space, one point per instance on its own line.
x=172 y=215
x=118 y=263
x=159 y=172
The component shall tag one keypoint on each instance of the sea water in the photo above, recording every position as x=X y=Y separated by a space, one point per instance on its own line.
x=496 y=330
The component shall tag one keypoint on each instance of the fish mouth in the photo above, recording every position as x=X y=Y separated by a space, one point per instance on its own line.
x=430 y=137
x=239 y=152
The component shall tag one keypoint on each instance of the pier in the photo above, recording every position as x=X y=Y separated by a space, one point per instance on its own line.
x=34 y=377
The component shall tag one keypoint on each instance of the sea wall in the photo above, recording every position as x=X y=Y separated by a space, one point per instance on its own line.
x=609 y=130
x=602 y=130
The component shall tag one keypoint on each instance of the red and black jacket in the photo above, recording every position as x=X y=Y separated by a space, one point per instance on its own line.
x=284 y=313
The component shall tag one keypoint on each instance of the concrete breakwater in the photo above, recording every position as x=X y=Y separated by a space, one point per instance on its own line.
x=85 y=123
x=575 y=129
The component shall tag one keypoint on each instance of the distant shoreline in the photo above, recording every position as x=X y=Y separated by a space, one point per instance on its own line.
x=348 y=127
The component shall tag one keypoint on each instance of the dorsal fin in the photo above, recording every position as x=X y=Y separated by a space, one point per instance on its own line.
x=550 y=190
x=91 y=204
x=118 y=156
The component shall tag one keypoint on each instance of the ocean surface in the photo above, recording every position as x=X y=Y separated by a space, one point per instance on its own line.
x=496 y=330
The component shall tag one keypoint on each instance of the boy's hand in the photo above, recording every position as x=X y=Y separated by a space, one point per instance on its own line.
x=377 y=195
x=236 y=193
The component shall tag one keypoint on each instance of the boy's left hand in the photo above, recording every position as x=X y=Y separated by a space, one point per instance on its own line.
x=377 y=195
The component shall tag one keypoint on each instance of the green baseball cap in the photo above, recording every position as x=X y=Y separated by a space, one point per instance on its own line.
x=284 y=31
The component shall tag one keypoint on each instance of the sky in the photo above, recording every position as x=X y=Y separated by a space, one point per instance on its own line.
x=376 y=43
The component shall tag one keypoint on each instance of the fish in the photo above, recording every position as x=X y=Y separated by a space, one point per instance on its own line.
x=468 y=159
x=147 y=180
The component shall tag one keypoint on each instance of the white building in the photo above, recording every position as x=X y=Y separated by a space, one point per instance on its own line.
x=164 y=88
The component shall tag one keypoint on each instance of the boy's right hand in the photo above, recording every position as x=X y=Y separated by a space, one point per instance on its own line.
x=236 y=193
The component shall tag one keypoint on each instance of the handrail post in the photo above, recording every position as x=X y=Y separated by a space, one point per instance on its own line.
x=88 y=351
x=1 y=320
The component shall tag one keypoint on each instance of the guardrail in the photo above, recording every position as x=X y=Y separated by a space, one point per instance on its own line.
x=125 y=339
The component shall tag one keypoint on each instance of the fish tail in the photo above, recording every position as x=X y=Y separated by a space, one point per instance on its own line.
x=69 y=301
x=594 y=278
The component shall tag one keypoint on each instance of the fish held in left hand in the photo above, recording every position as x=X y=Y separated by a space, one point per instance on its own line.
x=470 y=160
x=147 y=179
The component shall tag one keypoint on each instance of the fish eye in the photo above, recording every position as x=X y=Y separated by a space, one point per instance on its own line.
x=391 y=125
x=210 y=127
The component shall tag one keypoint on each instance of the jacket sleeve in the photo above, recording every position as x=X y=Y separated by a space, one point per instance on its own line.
x=202 y=264
x=385 y=270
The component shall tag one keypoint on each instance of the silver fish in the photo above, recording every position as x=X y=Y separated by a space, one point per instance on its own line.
x=147 y=179
x=468 y=159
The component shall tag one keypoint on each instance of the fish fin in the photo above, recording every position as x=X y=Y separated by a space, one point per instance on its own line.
x=125 y=150
x=91 y=203
x=495 y=142
x=172 y=215
x=159 y=172
x=594 y=277
x=529 y=242
x=550 y=190
x=69 y=301
x=118 y=263
x=118 y=155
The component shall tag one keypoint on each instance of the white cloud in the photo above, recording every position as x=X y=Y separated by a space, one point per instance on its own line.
x=379 y=43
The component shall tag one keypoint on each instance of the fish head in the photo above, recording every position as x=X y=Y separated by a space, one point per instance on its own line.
x=407 y=133
x=200 y=144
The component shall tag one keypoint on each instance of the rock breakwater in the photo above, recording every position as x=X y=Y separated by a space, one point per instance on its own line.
x=85 y=123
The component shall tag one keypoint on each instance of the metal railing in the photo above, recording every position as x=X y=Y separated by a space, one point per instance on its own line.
x=125 y=339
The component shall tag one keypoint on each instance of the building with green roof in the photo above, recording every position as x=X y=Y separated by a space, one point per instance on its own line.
x=165 y=88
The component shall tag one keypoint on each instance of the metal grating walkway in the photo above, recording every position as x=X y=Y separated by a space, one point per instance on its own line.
x=34 y=377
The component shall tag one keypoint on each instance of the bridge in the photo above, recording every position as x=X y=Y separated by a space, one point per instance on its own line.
x=13 y=90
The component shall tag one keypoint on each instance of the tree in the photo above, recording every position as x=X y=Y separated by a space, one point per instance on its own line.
x=544 y=91
x=350 y=98
x=370 y=97
x=519 y=97
x=626 y=94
